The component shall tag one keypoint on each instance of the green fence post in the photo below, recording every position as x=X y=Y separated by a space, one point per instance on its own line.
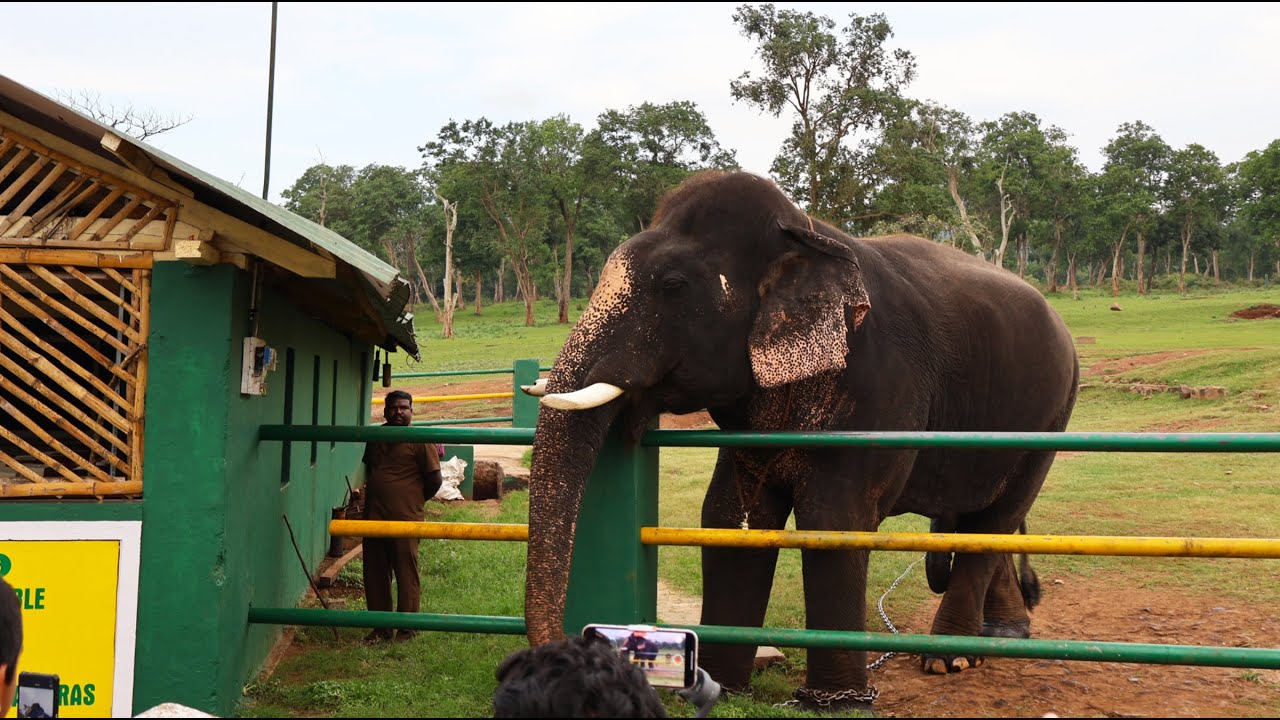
x=524 y=407
x=468 y=455
x=614 y=578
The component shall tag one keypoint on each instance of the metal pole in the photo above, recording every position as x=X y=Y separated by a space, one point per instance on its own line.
x=383 y=619
x=271 y=90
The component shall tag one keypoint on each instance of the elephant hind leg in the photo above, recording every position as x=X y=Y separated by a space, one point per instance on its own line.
x=1028 y=581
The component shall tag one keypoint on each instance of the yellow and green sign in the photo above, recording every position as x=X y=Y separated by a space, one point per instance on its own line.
x=70 y=592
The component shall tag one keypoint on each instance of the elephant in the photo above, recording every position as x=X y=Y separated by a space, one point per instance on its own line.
x=737 y=301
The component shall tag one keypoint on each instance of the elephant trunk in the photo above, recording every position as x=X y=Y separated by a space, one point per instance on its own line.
x=567 y=443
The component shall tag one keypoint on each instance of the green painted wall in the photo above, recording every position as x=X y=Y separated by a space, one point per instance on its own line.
x=214 y=540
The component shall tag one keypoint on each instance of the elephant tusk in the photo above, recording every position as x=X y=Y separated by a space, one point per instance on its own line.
x=584 y=399
x=537 y=389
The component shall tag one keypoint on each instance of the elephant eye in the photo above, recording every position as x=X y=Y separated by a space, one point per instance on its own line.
x=674 y=282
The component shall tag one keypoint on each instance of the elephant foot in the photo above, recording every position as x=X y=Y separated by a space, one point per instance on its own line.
x=943 y=664
x=1019 y=630
x=839 y=701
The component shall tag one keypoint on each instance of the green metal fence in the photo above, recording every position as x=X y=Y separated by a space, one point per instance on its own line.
x=621 y=503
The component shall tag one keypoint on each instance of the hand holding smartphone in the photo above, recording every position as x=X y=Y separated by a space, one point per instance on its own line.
x=667 y=656
x=37 y=695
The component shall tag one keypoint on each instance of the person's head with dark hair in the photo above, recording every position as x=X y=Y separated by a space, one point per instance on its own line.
x=575 y=677
x=398 y=408
x=10 y=644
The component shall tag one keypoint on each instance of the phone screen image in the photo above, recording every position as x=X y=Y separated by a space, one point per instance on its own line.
x=669 y=658
x=35 y=702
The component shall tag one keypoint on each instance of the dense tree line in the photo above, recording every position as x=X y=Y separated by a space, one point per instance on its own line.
x=534 y=208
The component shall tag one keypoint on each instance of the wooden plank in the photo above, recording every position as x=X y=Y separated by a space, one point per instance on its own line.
x=128 y=153
x=38 y=454
x=239 y=236
x=53 y=443
x=121 y=215
x=35 y=221
x=326 y=578
x=63 y=311
x=22 y=180
x=56 y=354
x=90 y=258
x=69 y=333
x=59 y=215
x=95 y=213
x=65 y=382
x=32 y=196
x=126 y=283
x=80 y=489
x=112 y=296
x=58 y=419
x=17 y=159
x=143 y=298
x=93 y=308
x=21 y=469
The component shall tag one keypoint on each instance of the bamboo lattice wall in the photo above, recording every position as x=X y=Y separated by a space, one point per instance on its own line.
x=75 y=257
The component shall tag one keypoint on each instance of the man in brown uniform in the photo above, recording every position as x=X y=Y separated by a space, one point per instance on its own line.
x=402 y=476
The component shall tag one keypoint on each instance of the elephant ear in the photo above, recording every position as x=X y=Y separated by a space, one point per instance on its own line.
x=800 y=329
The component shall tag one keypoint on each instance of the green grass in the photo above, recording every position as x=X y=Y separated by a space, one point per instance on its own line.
x=1134 y=494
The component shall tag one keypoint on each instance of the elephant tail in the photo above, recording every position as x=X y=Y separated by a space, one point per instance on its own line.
x=1027 y=580
x=937 y=565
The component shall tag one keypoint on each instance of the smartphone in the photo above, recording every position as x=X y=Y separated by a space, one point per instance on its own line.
x=668 y=656
x=37 y=695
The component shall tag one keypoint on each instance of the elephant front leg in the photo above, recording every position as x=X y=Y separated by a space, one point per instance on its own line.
x=736 y=582
x=836 y=599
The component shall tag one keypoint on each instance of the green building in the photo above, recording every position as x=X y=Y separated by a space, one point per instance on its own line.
x=152 y=317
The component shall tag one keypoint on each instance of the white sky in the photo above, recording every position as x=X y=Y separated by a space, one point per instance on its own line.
x=369 y=83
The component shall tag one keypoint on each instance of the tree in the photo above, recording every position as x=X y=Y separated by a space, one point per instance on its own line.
x=836 y=87
x=498 y=168
x=323 y=195
x=924 y=156
x=140 y=123
x=1259 y=191
x=1132 y=177
x=649 y=149
x=1195 y=193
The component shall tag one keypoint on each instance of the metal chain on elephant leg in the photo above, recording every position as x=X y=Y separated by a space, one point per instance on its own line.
x=823 y=698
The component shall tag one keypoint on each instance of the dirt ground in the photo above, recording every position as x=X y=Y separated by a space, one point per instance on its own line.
x=1258 y=312
x=1099 y=608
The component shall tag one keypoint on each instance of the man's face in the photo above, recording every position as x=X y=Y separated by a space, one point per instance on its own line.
x=398 y=412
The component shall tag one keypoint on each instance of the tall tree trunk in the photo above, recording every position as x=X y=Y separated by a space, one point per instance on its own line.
x=1168 y=261
x=953 y=186
x=450 y=224
x=1142 y=255
x=1115 y=262
x=479 y=293
x=1071 y=276
x=1152 y=272
x=1217 y=278
x=1051 y=272
x=499 y=292
x=1253 y=256
x=1186 y=247
x=458 y=300
x=566 y=285
x=1007 y=214
x=1022 y=256
x=1195 y=260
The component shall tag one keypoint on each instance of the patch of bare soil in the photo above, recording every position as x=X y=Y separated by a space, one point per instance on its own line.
x=1117 y=366
x=1097 y=609
x=1258 y=312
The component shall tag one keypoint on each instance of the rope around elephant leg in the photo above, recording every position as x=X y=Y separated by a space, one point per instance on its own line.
x=824 y=699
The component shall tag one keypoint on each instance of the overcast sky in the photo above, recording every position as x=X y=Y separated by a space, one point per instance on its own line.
x=369 y=83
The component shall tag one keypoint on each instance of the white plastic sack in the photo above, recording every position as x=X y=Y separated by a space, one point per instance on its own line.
x=452 y=472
